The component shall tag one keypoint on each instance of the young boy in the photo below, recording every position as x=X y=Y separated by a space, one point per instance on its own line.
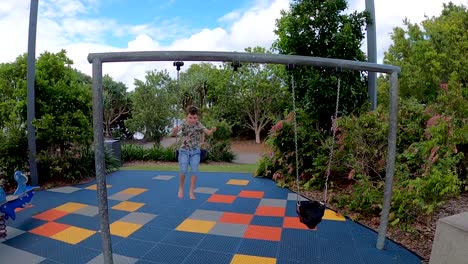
x=189 y=150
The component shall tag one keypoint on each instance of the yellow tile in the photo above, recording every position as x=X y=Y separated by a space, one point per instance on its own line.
x=238 y=182
x=246 y=259
x=332 y=215
x=128 y=206
x=123 y=229
x=196 y=226
x=134 y=191
x=71 y=207
x=73 y=235
x=94 y=187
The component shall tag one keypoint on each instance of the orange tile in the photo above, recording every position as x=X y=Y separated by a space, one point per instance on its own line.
x=251 y=194
x=270 y=211
x=263 y=232
x=221 y=198
x=49 y=229
x=50 y=215
x=294 y=222
x=236 y=218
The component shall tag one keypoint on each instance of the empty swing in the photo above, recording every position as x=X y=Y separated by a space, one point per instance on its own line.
x=311 y=212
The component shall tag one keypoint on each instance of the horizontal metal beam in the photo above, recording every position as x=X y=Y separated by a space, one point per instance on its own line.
x=240 y=57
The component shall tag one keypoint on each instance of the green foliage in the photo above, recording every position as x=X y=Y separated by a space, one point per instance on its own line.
x=321 y=29
x=151 y=106
x=74 y=164
x=117 y=106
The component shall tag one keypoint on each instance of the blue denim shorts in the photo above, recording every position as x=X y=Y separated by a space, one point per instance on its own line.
x=189 y=157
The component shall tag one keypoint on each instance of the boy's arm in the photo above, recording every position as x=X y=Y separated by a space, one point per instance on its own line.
x=209 y=132
x=174 y=131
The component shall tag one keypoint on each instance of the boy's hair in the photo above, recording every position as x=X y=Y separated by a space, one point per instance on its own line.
x=192 y=110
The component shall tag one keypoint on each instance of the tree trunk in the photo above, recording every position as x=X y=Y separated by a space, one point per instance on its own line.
x=257 y=136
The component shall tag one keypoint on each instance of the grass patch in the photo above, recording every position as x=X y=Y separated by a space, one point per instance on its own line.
x=211 y=167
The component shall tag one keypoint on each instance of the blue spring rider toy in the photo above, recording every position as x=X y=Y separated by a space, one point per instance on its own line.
x=22 y=195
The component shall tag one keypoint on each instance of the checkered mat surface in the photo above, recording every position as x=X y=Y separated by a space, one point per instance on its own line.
x=236 y=219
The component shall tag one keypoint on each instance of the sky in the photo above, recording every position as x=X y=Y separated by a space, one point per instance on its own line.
x=85 y=26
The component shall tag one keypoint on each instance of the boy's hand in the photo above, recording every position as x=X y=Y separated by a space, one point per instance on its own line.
x=213 y=129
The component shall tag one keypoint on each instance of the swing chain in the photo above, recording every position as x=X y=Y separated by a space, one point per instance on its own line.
x=290 y=67
x=334 y=128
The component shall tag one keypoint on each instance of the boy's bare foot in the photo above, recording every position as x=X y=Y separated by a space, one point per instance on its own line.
x=180 y=194
x=192 y=196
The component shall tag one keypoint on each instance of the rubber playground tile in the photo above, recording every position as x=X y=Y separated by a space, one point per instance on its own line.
x=270 y=211
x=138 y=218
x=206 y=190
x=235 y=218
x=196 y=226
x=73 y=235
x=238 y=182
x=90 y=210
x=247 y=259
x=209 y=257
x=81 y=221
x=66 y=189
x=294 y=197
x=134 y=191
x=49 y=229
x=263 y=232
x=128 y=206
x=257 y=247
x=71 y=207
x=132 y=247
x=251 y=194
x=94 y=187
x=220 y=243
x=163 y=177
x=123 y=229
x=120 y=196
x=261 y=220
x=14 y=255
x=12 y=232
x=332 y=215
x=168 y=254
x=206 y=215
x=185 y=239
x=116 y=257
x=221 y=198
x=50 y=215
x=294 y=222
x=273 y=202
x=231 y=230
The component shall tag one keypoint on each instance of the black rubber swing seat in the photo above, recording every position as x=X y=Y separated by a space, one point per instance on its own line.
x=310 y=212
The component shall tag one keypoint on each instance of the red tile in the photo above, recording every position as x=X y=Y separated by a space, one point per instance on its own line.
x=263 y=232
x=236 y=218
x=50 y=215
x=49 y=229
x=294 y=222
x=251 y=194
x=221 y=198
x=270 y=211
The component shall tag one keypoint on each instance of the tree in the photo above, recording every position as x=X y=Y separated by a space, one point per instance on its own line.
x=319 y=28
x=152 y=103
x=427 y=55
x=116 y=103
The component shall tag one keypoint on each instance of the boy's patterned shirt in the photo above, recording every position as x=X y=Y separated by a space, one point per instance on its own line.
x=191 y=135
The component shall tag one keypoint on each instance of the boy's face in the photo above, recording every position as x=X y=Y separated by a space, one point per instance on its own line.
x=192 y=119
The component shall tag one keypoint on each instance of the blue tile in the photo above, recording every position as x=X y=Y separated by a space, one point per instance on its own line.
x=150 y=233
x=267 y=221
x=26 y=224
x=66 y=253
x=133 y=248
x=24 y=241
x=180 y=238
x=291 y=208
x=209 y=257
x=83 y=221
x=166 y=222
x=95 y=242
x=48 y=261
x=260 y=248
x=220 y=243
x=245 y=205
x=168 y=254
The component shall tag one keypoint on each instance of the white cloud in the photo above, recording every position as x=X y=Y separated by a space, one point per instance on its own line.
x=61 y=26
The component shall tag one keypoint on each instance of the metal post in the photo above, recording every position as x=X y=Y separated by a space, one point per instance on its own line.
x=31 y=97
x=98 y=123
x=372 y=53
x=390 y=169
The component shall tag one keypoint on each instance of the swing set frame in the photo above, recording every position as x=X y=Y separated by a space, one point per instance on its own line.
x=97 y=60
